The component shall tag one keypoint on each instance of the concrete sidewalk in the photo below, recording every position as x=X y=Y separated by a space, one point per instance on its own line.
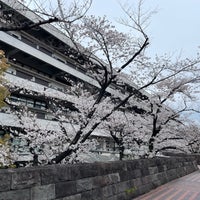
x=184 y=188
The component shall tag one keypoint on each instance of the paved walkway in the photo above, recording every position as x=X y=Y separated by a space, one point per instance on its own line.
x=184 y=188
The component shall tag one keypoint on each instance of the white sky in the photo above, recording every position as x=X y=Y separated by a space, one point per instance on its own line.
x=174 y=29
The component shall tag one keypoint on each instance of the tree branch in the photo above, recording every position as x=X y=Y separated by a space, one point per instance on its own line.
x=27 y=26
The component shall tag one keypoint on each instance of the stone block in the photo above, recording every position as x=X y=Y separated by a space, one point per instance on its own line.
x=161 y=168
x=144 y=189
x=109 y=191
x=156 y=183
x=137 y=173
x=165 y=167
x=25 y=179
x=180 y=172
x=162 y=177
x=45 y=192
x=153 y=170
x=84 y=184
x=73 y=197
x=96 y=182
x=126 y=175
x=119 y=197
x=125 y=187
x=171 y=164
x=146 y=179
x=171 y=173
x=48 y=174
x=64 y=189
x=132 y=192
x=16 y=195
x=153 y=180
x=66 y=173
x=95 y=194
x=144 y=171
x=5 y=180
x=151 y=162
x=137 y=182
x=89 y=171
x=113 y=178
x=158 y=162
x=110 y=167
x=101 y=181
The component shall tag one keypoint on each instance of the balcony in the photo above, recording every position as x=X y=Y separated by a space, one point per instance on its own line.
x=38 y=88
x=65 y=67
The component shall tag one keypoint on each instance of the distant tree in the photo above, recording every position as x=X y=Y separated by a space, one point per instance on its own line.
x=128 y=130
x=5 y=155
x=168 y=83
x=191 y=137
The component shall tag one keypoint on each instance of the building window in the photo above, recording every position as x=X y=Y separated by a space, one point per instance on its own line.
x=40 y=81
x=110 y=145
x=28 y=41
x=40 y=104
x=41 y=115
x=44 y=50
x=31 y=103
x=2 y=133
x=24 y=75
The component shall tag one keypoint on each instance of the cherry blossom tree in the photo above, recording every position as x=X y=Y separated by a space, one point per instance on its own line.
x=101 y=39
x=190 y=134
x=5 y=155
x=45 y=139
x=3 y=66
x=168 y=83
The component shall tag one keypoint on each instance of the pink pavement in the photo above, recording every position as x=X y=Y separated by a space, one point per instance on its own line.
x=184 y=188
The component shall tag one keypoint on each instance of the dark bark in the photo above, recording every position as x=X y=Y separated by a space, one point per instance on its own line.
x=121 y=152
x=155 y=131
x=119 y=142
x=27 y=26
x=61 y=156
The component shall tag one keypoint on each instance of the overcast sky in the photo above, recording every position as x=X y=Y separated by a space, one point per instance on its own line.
x=174 y=29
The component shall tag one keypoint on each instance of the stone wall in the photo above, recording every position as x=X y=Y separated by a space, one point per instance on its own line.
x=197 y=158
x=121 y=180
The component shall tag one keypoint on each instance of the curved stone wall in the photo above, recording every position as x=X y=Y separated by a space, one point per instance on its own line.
x=121 y=180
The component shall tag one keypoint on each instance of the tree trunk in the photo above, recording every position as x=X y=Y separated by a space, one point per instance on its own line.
x=61 y=156
x=151 y=144
x=121 y=152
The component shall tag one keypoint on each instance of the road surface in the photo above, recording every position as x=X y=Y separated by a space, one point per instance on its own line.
x=184 y=188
